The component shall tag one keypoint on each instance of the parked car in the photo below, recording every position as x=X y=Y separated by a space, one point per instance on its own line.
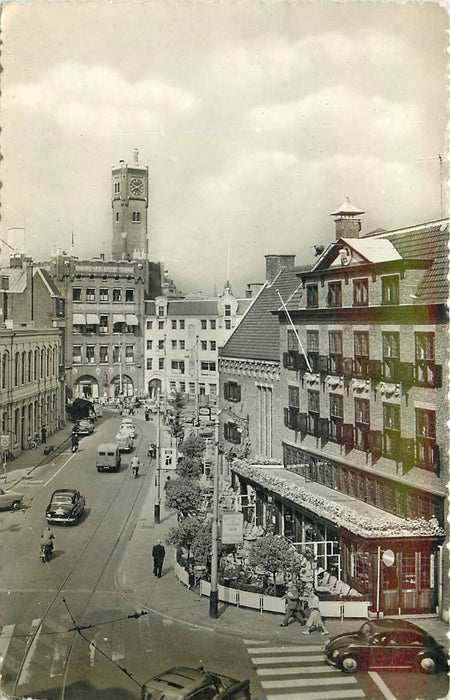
x=127 y=426
x=10 y=499
x=85 y=427
x=182 y=682
x=386 y=644
x=66 y=506
x=124 y=441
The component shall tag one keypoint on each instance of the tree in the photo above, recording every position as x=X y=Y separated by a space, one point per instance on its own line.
x=273 y=554
x=173 y=415
x=193 y=449
x=183 y=495
x=184 y=534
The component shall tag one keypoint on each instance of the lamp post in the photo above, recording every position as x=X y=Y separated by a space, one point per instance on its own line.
x=157 y=509
x=214 y=596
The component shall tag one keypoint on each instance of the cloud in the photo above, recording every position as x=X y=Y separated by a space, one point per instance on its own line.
x=100 y=101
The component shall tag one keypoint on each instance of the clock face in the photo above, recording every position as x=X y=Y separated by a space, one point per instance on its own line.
x=136 y=187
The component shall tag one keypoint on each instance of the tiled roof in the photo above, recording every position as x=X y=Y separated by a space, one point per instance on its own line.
x=48 y=280
x=258 y=335
x=430 y=242
x=201 y=307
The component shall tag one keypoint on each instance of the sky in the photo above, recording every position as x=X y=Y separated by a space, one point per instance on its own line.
x=256 y=120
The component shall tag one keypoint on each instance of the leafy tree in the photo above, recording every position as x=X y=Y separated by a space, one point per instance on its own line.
x=183 y=495
x=193 y=448
x=184 y=534
x=273 y=554
x=173 y=415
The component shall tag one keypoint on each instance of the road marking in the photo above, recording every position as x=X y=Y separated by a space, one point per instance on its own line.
x=60 y=469
x=294 y=682
x=340 y=694
x=381 y=685
x=284 y=648
x=5 y=639
x=295 y=669
x=35 y=631
x=285 y=659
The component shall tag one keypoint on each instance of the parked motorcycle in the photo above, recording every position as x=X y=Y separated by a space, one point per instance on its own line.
x=46 y=552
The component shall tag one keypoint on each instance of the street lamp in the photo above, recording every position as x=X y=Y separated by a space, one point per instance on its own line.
x=157 y=508
x=214 y=595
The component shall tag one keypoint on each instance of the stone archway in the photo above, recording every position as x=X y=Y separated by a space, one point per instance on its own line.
x=86 y=387
x=122 y=387
x=154 y=387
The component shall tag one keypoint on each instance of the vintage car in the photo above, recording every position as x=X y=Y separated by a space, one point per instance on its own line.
x=127 y=426
x=66 y=506
x=9 y=499
x=124 y=441
x=182 y=682
x=386 y=644
x=85 y=427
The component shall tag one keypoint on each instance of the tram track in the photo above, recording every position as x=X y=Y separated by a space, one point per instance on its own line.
x=62 y=585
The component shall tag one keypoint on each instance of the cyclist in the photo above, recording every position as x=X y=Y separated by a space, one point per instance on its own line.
x=135 y=464
x=47 y=538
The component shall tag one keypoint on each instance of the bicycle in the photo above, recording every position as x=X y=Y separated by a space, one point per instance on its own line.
x=33 y=442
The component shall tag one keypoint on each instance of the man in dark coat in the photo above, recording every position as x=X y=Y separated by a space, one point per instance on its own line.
x=158 y=554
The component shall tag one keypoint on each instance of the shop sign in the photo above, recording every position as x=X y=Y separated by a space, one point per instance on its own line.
x=232 y=528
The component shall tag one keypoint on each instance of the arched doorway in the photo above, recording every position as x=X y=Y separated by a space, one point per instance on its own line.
x=154 y=387
x=122 y=386
x=86 y=387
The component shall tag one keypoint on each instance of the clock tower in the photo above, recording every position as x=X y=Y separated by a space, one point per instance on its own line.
x=129 y=201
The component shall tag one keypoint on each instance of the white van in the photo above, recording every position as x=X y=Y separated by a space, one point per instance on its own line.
x=108 y=457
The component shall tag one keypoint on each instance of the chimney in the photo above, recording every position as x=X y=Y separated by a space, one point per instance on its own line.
x=252 y=289
x=346 y=221
x=276 y=263
x=136 y=156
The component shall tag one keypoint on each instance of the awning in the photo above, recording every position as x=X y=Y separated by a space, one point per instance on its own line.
x=118 y=318
x=132 y=320
x=92 y=319
x=79 y=320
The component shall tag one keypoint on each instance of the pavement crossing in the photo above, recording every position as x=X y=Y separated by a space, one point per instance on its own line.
x=290 y=672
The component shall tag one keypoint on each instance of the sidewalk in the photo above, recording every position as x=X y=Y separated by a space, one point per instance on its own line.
x=174 y=601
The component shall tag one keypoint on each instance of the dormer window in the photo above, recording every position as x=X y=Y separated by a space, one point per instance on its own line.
x=335 y=293
x=390 y=289
x=312 y=295
x=360 y=292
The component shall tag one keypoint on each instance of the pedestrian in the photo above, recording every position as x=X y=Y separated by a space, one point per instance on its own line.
x=135 y=464
x=293 y=608
x=314 y=617
x=44 y=434
x=167 y=482
x=158 y=554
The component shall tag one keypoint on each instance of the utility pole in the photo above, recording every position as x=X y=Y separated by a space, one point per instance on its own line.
x=157 y=510
x=214 y=596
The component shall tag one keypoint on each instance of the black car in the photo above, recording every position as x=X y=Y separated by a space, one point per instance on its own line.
x=66 y=506
x=182 y=682
x=386 y=644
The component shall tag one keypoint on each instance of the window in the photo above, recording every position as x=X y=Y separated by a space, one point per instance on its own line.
x=174 y=344
x=76 y=354
x=213 y=389
x=178 y=366
x=232 y=433
x=312 y=295
x=104 y=294
x=161 y=325
x=336 y=417
x=149 y=325
x=161 y=363
x=292 y=342
x=117 y=295
x=181 y=325
x=361 y=347
x=104 y=354
x=424 y=352
x=227 y=324
x=212 y=345
x=313 y=412
x=202 y=389
x=391 y=427
x=90 y=293
x=136 y=217
x=294 y=397
x=426 y=439
x=334 y=293
x=172 y=387
x=312 y=347
x=203 y=324
x=183 y=387
x=362 y=423
x=117 y=216
x=129 y=295
x=76 y=294
x=212 y=325
x=227 y=310
x=232 y=391
x=390 y=289
x=391 y=355
x=91 y=328
x=90 y=354
x=160 y=311
x=149 y=344
x=360 y=292
x=129 y=354
x=203 y=345
x=174 y=325
x=191 y=389
x=149 y=363
x=207 y=367
x=103 y=325
x=161 y=344
x=116 y=354
x=182 y=344
x=335 y=341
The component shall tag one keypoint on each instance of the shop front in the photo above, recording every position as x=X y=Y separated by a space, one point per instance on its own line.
x=394 y=562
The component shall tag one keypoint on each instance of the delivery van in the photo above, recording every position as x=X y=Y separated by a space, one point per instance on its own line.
x=108 y=457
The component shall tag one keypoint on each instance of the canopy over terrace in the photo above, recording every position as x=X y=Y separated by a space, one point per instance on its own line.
x=334 y=523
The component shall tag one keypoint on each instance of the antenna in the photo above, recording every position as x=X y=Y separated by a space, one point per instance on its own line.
x=228 y=260
x=433 y=158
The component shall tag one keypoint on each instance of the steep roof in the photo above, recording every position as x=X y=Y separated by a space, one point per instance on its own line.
x=258 y=335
